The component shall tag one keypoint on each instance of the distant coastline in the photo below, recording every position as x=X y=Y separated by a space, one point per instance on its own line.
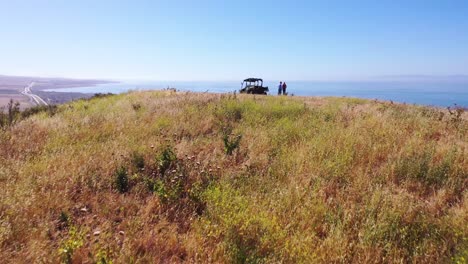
x=11 y=88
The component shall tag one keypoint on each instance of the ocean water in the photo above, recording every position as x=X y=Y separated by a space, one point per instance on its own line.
x=434 y=93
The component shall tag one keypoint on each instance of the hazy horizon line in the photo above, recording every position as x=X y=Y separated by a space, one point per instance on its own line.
x=389 y=77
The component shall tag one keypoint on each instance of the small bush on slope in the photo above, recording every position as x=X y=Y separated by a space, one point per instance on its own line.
x=121 y=180
x=51 y=110
x=10 y=115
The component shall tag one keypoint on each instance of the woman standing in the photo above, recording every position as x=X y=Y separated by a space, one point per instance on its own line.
x=284 y=88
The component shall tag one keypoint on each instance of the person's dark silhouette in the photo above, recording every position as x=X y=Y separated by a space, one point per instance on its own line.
x=284 y=88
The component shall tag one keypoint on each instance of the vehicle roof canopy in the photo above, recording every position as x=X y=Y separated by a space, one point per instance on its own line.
x=253 y=80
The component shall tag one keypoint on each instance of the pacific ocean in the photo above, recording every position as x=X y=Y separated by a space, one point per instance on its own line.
x=433 y=93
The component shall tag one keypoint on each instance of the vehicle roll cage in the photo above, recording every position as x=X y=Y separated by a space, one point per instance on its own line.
x=252 y=82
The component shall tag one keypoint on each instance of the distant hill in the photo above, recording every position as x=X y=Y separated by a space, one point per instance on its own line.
x=167 y=177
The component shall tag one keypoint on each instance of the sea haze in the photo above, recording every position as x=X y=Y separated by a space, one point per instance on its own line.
x=435 y=93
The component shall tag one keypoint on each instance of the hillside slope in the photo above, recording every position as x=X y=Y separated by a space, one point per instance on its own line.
x=180 y=177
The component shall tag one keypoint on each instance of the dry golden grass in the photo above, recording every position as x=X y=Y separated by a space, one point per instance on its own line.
x=144 y=178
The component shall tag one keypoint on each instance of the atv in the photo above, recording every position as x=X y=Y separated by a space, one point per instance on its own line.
x=253 y=86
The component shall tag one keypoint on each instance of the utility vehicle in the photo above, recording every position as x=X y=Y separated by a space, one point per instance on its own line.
x=253 y=86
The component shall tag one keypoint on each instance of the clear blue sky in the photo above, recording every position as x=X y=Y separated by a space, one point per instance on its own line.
x=230 y=40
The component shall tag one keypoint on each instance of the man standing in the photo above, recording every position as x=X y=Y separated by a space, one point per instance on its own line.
x=284 y=88
x=280 y=87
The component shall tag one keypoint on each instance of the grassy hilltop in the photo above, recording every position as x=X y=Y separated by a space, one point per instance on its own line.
x=182 y=177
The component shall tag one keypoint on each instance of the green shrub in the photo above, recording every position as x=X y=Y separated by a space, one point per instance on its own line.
x=121 y=180
x=101 y=95
x=159 y=188
x=51 y=110
x=64 y=218
x=136 y=106
x=11 y=116
x=166 y=159
x=231 y=143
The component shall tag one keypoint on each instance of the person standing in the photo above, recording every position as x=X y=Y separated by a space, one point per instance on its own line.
x=284 y=88
x=280 y=88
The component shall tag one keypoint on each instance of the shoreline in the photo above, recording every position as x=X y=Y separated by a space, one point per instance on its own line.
x=16 y=88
